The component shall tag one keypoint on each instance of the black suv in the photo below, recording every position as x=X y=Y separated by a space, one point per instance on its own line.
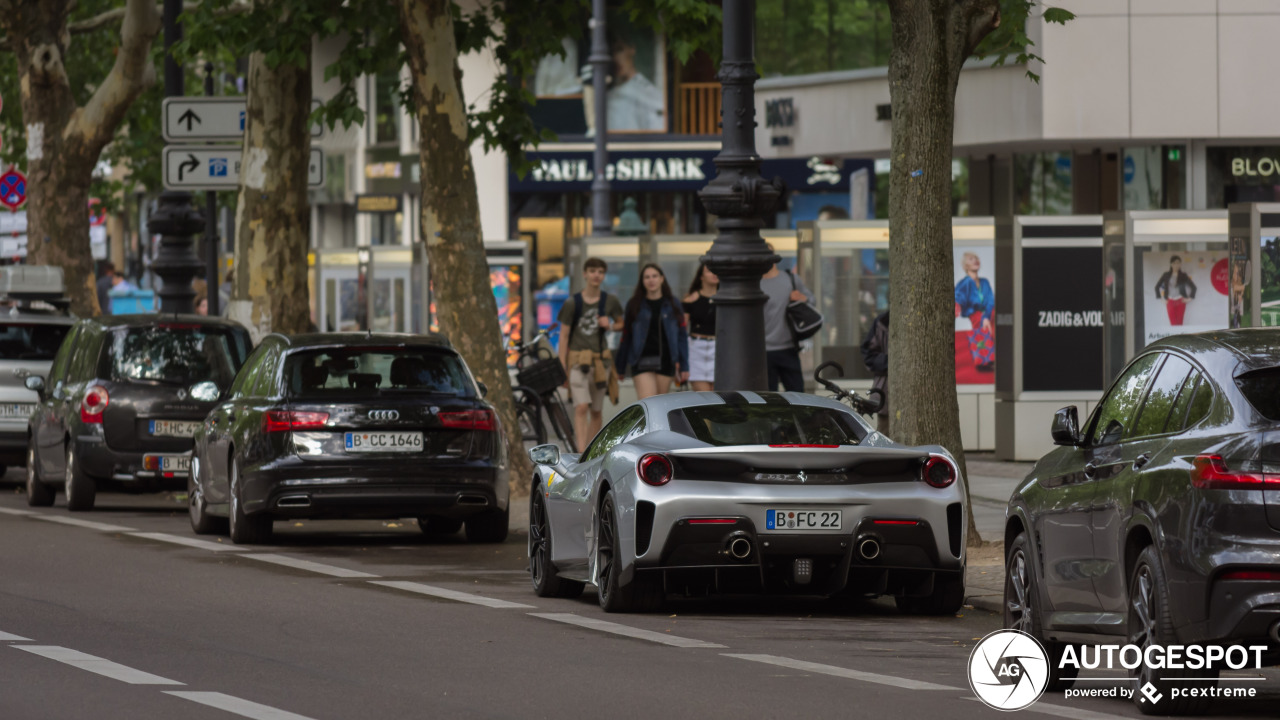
x=120 y=403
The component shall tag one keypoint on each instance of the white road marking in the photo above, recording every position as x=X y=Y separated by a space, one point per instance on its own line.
x=238 y=706
x=15 y=511
x=904 y=683
x=1065 y=712
x=449 y=594
x=189 y=542
x=6 y=637
x=77 y=522
x=309 y=566
x=95 y=664
x=626 y=630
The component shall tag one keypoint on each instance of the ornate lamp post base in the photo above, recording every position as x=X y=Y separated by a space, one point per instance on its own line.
x=177 y=264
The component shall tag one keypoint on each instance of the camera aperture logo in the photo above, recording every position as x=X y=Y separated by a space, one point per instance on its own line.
x=1008 y=670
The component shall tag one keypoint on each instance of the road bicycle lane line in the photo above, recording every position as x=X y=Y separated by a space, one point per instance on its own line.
x=189 y=542
x=446 y=594
x=87 y=524
x=625 y=630
x=8 y=637
x=308 y=565
x=96 y=665
x=15 y=511
x=904 y=683
x=236 y=706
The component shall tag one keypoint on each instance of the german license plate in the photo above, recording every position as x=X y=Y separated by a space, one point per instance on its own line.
x=383 y=442
x=174 y=428
x=16 y=410
x=169 y=463
x=803 y=520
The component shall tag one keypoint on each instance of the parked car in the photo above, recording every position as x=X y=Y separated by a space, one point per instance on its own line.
x=33 y=323
x=1159 y=519
x=352 y=426
x=749 y=492
x=118 y=404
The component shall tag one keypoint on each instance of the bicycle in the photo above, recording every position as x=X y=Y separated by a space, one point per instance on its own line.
x=860 y=405
x=539 y=376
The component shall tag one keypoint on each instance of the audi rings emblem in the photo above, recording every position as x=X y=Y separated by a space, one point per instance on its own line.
x=384 y=414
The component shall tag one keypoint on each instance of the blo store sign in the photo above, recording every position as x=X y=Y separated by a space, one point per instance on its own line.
x=1250 y=167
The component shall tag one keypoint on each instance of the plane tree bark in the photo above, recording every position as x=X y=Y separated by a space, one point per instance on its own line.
x=931 y=41
x=64 y=139
x=466 y=308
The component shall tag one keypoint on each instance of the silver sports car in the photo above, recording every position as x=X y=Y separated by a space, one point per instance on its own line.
x=731 y=492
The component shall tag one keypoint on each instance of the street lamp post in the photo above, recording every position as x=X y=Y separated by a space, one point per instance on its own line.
x=739 y=198
x=601 y=215
x=176 y=220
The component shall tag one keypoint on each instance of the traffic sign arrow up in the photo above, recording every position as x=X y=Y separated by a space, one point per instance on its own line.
x=188 y=117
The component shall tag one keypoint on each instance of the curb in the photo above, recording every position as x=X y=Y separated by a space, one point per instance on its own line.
x=990 y=603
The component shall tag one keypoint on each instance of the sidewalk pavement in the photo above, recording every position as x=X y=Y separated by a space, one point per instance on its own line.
x=990 y=484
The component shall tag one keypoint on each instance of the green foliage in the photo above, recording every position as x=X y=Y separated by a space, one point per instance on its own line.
x=798 y=37
x=1011 y=40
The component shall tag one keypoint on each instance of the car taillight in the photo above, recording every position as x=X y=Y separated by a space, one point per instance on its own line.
x=654 y=469
x=1250 y=575
x=938 y=472
x=1210 y=472
x=93 y=404
x=468 y=420
x=290 y=420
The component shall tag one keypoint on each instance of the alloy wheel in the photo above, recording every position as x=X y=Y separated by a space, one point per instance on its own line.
x=233 y=486
x=70 y=473
x=1017 y=594
x=604 y=550
x=538 y=540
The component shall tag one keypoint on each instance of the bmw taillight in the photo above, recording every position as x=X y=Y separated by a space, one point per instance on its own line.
x=938 y=472
x=291 y=420
x=468 y=420
x=93 y=404
x=1210 y=472
x=654 y=469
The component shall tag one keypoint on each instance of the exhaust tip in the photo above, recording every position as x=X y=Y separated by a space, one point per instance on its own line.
x=868 y=548
x=294 y=501
x=740 y=548
x=1275 y=631
x=473 y=500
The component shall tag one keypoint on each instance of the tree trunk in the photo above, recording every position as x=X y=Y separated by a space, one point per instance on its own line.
x=465 y=306
x=931 y=40
x=273 y=213
x=65 y=140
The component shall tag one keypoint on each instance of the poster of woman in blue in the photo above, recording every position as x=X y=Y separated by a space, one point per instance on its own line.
x=975 y=304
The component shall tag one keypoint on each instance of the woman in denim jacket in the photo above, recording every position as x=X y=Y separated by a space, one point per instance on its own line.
x=655 y=340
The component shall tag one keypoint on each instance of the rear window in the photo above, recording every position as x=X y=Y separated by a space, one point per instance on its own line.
x=740 y=424
x=175 y=354
x=31 y=341
x=357 y=371
x=1262 y=389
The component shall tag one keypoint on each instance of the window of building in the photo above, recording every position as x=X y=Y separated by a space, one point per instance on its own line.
x=1155 y=177
x=386 y=108
x=1042 y=183
x=1242 y=174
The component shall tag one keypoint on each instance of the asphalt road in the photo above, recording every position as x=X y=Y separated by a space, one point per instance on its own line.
x=126 y=614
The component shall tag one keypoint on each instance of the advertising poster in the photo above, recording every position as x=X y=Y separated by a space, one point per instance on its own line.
x=1062 y=322
x=1237 y=298
x=505 y=280
x=1269 y=257
x=1185 y=292
x=975 y=309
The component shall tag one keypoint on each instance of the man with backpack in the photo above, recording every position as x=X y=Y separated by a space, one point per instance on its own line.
x=588 y=362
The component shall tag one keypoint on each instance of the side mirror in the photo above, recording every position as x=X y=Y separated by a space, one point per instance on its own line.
x=545 y=455
x=206 y=391
x=484 y=389
x=36 y=383
x=1066 y=426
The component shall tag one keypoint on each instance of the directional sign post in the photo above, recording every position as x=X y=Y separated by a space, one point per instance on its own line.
x=201 y=119
x=190 y=167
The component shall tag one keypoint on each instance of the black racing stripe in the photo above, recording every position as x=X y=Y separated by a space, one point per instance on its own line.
x=773 y=398
x=732 y=398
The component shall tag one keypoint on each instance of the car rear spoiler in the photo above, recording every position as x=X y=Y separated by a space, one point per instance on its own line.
x=800 y=456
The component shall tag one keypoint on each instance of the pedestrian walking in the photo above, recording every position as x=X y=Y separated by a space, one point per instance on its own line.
x=584 y=352
x=105 y=281
x=655 y=338
x=700 y=317
x=782 y=350
x=875 y=354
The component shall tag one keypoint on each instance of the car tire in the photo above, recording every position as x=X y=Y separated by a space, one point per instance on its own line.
x=489 y=527
x=1151 y=623
x=644 y=593
x=543 y=573
x=1022 y=611
x=202 y=523
x=80 y=488
x=246 y=529
x=439 y=527
x=38 y=494
x=946 y=599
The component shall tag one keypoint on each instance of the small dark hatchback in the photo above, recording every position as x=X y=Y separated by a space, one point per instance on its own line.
x=367 y=426
x=122 y=401
x=1158 y=521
